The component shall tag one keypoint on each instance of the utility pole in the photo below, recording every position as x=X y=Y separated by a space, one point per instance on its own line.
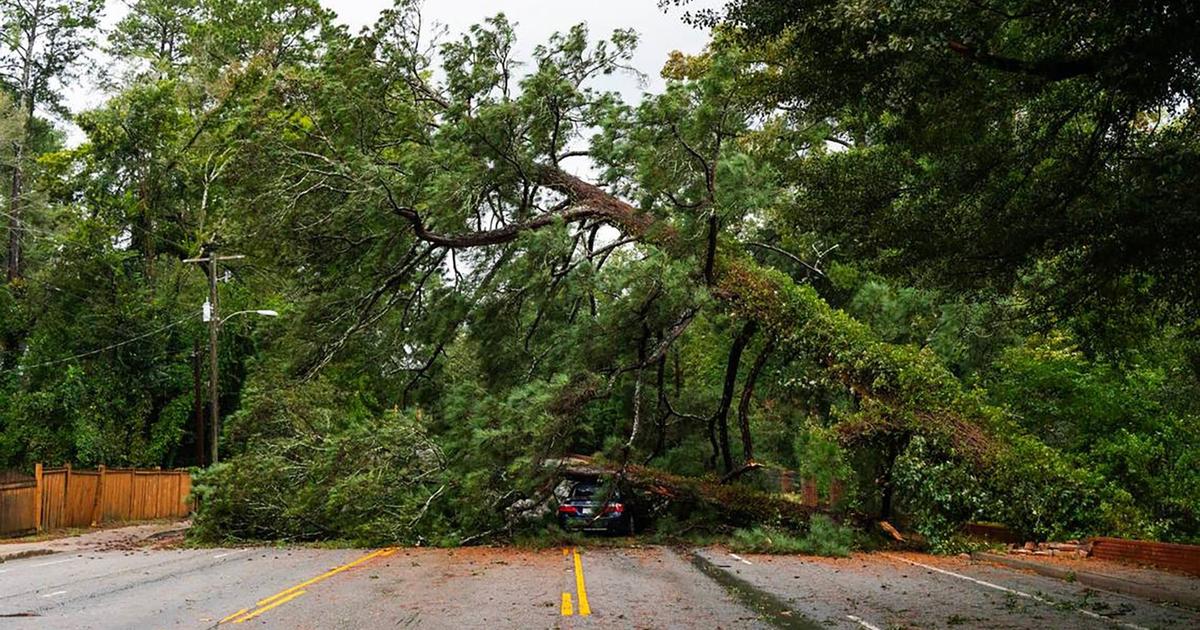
x=214 y=324
x=214 y=394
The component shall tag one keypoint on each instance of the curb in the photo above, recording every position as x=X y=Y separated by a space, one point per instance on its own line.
x=28 y=553
x=1097 y=580
x=771 y=608
x=166 y=532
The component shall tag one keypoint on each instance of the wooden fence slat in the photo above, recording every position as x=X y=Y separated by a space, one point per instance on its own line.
x=37 y=501
x=98 y=499
x=65 y=514
x=185 y=492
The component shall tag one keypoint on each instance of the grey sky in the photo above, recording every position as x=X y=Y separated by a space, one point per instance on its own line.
x=660 y=32
x=537 y=19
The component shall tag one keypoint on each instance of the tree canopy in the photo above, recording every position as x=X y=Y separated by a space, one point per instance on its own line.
x=941 y=255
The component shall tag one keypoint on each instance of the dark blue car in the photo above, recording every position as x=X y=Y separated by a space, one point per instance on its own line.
x=594 y=507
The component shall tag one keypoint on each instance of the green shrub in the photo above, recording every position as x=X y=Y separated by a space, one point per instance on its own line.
x=1044 y=495
x=939 y=492
x=766 y=540
x=824 y=538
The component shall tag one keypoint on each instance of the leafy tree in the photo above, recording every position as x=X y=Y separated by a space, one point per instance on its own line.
x=920 y=271
x=387 y=204
x=158 y=32
x=43 y=41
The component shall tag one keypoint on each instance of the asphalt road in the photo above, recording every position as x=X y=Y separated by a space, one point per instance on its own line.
x=510 y=588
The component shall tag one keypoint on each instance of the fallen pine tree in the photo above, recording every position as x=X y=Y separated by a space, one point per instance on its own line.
x=737 y=505
x=552 y=338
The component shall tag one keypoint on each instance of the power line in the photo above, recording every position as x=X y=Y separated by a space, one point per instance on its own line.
x=105 y=348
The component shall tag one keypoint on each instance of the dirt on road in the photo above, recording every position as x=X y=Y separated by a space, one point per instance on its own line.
x=907 y=590
x=651 y=587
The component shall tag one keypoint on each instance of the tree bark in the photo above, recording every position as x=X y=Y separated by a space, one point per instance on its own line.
x=887 y=484
x=660 y=440
x=1050 y=69
x=747 y=396
x=738 y=505
x=16 y=222
x=721 y=418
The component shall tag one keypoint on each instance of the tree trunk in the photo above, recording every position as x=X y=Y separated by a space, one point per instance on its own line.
x=660 y=440
x=721 y=417
x=738 y=505
x=747 y=397
x=16 y=227
x=887 y=485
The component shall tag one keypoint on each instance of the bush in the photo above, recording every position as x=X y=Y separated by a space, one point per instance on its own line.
x=1044 y=495
x=939 y=492
x=824 y=538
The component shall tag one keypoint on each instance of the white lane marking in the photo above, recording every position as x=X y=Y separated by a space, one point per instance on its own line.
x=54 y=594
x=739 y=558
x=230 y=553
x=1082 y=611
x=46 y=564
x=859 y=621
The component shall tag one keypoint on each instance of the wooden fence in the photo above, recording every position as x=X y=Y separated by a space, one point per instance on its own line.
x=18 y=496
x=63 y=497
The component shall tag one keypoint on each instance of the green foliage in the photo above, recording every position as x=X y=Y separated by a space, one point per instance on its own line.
x=1045 y=496
x=497 y=446
x=938 y=493
x=1120 y=421
x=967 y=263
x=323 y=474
x=823 y=538
x=765 y=540
x=821 y=457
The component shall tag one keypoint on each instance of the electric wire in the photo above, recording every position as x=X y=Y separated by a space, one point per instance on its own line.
x=105 y=348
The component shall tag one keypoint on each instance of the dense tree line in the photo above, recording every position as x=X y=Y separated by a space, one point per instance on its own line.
x=940 y=254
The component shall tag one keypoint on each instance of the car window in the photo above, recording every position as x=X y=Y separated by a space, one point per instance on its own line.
x=594 y=491
x=584 y=490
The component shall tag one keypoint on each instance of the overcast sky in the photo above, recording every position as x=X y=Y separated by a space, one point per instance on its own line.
x=660 y=32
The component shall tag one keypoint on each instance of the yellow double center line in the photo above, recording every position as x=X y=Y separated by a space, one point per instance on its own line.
x=288 y=594
x=580 y=589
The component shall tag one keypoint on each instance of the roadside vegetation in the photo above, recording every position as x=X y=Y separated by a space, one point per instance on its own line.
x=942 y=257
x=823 y=538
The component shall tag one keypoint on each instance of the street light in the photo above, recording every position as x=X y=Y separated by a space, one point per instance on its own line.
x=214 y=325
x=263 y=312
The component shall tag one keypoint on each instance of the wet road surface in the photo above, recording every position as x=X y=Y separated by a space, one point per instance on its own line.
x=905 y=590
x=652 y=587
